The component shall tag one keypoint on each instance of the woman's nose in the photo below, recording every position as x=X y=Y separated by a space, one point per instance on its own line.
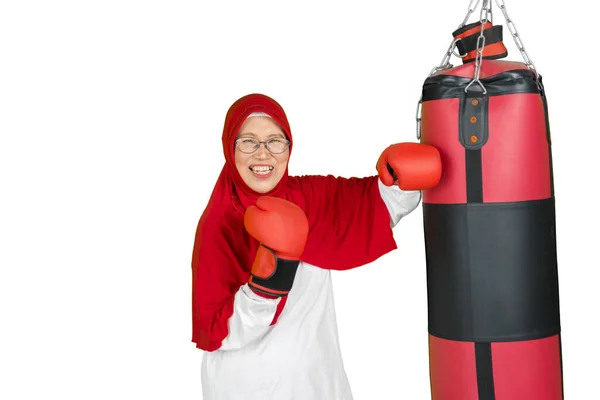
x=262 y=151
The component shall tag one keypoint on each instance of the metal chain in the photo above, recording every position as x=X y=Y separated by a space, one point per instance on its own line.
x=483 y=18
x=445 y=63
x=471 y=9
x=513 y=31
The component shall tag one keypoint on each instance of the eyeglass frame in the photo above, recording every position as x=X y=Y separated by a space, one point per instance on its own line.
x=266 y=143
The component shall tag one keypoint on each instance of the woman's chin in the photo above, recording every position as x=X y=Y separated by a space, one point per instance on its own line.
x=262 y=185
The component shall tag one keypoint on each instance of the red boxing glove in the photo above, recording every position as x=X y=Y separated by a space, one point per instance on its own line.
x=281 y=227
x=415 y=166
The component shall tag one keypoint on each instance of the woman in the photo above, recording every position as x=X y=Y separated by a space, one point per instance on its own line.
x=265 y=246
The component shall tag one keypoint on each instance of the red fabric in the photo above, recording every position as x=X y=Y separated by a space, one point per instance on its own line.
x=349 y=226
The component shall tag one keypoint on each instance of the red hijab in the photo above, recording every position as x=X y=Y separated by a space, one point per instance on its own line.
x=349 y=226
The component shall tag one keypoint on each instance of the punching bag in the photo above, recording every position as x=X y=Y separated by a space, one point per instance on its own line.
x=492 y=281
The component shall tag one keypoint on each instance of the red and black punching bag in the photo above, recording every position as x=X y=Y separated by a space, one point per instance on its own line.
x=492 y=281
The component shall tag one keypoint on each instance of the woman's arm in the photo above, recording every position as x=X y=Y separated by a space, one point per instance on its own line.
x=350 y=222
x=252 y=316
x=228 y=316
x=238 y=288
x=399 y=202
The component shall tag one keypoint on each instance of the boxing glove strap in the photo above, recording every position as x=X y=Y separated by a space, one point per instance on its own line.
x=280 y=281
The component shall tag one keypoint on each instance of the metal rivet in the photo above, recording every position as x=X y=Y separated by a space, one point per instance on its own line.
x=474 y=102
x=474 y=139
x=473 y=119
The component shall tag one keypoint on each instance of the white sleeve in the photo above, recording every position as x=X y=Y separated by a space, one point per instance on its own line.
x=399 y=202
x=252 y=317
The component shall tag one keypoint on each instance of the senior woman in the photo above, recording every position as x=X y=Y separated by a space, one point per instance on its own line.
x=262 y=299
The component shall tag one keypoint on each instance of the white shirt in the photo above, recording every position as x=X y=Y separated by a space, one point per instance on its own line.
x=299 y=357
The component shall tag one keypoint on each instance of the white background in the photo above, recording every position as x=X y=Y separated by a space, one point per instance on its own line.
x=110 y=119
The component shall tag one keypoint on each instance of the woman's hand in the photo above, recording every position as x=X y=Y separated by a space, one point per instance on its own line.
x=281 y=227
x=414 y=166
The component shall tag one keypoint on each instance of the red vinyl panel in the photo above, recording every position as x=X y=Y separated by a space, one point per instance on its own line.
x=516 y=158
x=452 y=369
x=527 y=370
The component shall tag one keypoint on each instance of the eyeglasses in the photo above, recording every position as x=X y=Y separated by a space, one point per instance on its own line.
x=274 y=145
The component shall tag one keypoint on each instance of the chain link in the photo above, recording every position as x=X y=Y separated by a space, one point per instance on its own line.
x=483 y=18
x=445 y=63
x=513 y=31
x=471 y=9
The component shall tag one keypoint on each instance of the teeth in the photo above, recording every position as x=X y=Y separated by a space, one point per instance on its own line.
x=262 y=169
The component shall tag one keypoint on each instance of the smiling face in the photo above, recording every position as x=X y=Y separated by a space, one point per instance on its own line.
x=261 y=170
